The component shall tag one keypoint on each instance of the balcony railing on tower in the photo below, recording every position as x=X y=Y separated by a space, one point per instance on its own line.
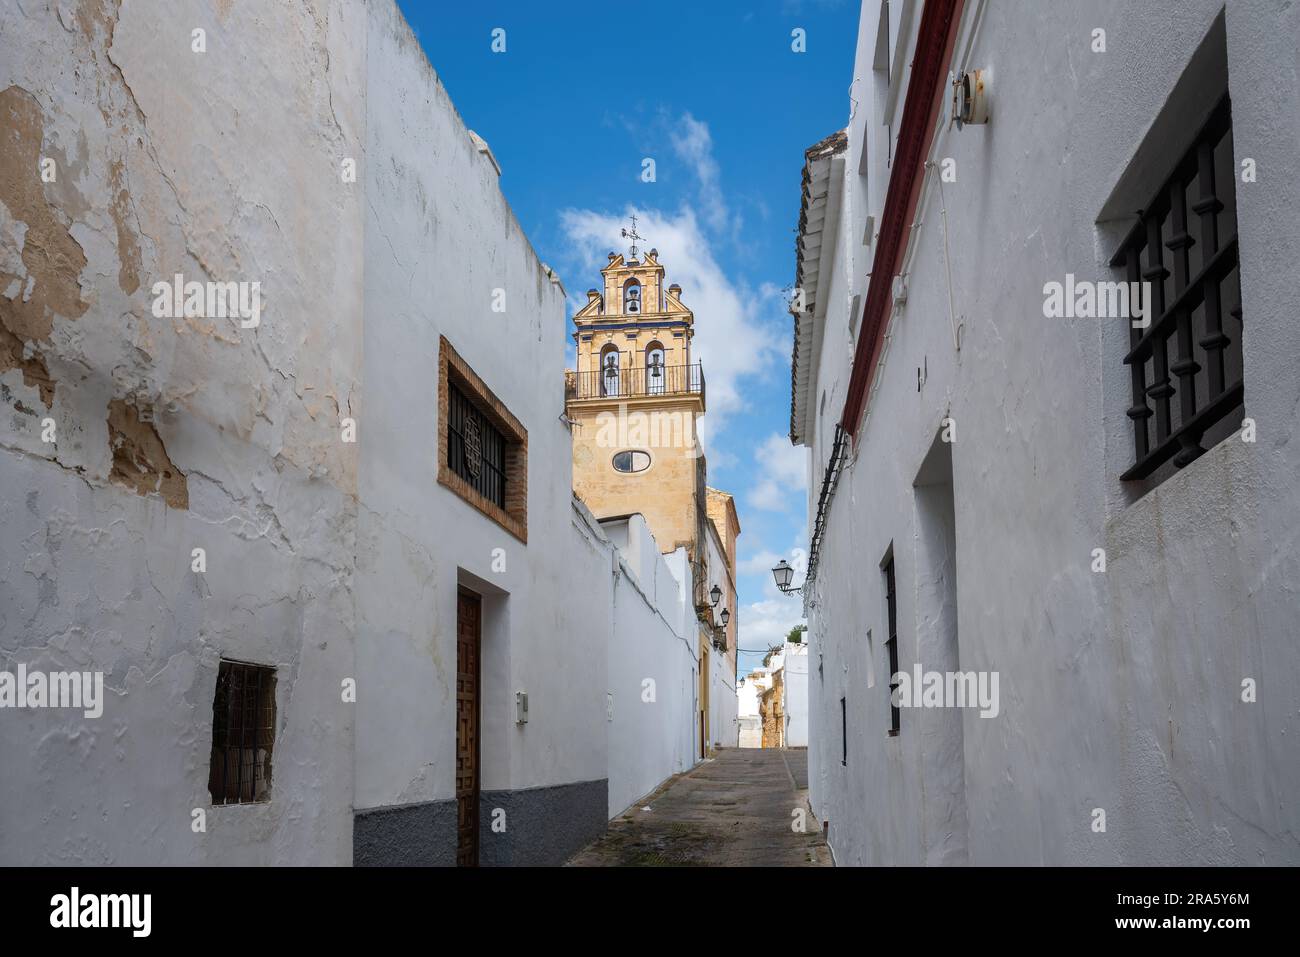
x=622 y=383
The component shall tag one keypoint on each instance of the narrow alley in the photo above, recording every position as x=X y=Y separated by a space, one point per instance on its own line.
x=735 y=809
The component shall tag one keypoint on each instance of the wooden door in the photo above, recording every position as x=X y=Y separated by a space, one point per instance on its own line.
x=469 y=614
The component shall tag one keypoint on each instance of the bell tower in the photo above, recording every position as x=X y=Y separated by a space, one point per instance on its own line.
x=634 y=400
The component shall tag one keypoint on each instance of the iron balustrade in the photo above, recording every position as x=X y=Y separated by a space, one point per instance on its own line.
x=638 y=381
x=1195 y=305
x=830 y=479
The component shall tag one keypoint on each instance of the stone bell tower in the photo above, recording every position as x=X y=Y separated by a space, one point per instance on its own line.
x=634 y=400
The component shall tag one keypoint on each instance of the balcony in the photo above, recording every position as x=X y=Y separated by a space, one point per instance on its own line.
x=639 y=382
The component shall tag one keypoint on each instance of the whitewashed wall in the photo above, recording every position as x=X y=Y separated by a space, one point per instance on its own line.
x=796 y=695
x=652 y=657
x=440 y=238
x=1122 y=690
x=723 y=726
x=224 y=166
x=748 y=719
x=325 y=559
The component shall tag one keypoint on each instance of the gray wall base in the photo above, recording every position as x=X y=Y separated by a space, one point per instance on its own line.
x=405 y=835
x=543 y=827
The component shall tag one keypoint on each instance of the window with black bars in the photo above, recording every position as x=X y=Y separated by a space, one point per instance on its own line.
x=1186 y=365
x=476 y=449
x=243 y=733
x=844 y=732
x=891 y=644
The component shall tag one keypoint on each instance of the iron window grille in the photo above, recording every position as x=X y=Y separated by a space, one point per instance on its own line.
x=1195 y=305
x=476 y=449
x=243 y=733
x=844 y=733
x=482 y=447
x=891 y=644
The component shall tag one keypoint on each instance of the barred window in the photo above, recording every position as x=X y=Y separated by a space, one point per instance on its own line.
x=243 y=733
x=476 y=450
x=891 y=643
x=1186 y=364
x=482 y=447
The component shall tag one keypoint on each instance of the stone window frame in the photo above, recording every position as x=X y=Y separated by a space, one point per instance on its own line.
x=514 y=516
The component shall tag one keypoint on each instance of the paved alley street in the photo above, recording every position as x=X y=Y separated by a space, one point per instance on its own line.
x=733 y=810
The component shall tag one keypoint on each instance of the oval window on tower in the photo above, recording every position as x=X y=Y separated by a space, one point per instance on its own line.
x=633 y=460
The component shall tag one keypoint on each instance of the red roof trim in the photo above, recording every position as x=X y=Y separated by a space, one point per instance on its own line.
x=924 y=88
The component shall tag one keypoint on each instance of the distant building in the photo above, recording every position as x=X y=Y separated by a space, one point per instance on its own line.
x=773 y=701
x=748 y=691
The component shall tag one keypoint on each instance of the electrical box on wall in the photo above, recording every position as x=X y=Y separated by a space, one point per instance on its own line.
x=521 y=707
x=899 y=291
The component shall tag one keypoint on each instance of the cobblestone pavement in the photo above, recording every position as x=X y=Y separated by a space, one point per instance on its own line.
x=735 y=809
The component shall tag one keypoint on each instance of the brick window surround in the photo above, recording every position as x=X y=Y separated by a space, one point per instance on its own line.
x=452 y=369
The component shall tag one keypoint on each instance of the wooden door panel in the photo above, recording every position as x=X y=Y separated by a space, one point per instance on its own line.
x=469 y=609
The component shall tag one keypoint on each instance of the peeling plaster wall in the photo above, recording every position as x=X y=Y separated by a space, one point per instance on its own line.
x=1120 y=690
x=176 y=434
x=325 y=558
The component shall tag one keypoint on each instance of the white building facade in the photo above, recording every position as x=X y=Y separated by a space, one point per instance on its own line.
x=723 y=721
x=352 y=512
x=748 y=690
x=795 y=665
x=998 y=493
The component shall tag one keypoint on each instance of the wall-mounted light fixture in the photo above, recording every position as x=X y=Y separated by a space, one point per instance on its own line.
x=784 y=575
x=715 y=595
x=970 y=102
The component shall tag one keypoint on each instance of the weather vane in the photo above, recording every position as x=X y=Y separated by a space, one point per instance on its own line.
x=632 y=235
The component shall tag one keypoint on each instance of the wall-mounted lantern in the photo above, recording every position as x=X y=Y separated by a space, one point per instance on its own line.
x=784 y=575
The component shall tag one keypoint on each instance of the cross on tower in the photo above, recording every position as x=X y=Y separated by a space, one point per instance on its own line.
x=632 y=235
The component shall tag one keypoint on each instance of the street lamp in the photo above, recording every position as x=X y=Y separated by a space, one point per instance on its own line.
x=725 y=616
x=784 y=574
x=715 y=595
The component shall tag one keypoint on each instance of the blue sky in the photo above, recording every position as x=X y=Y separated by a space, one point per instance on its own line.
x=714 y=93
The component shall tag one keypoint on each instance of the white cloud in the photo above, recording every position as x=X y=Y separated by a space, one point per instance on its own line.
x=766 y=623
x=783 y=471
x=694 y=146
x=761 y=562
